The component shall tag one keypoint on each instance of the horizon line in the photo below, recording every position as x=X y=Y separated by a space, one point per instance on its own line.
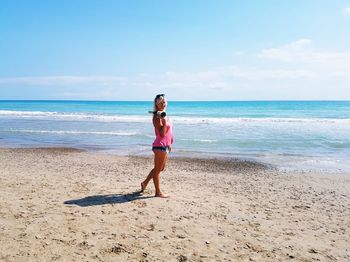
x=257 y=100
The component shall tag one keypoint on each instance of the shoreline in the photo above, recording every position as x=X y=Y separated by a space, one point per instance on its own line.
x=194 y=156
x=207 y=162
x=292 y=135
x=71 y=205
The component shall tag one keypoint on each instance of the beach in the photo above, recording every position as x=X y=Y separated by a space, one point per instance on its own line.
x=65 y=204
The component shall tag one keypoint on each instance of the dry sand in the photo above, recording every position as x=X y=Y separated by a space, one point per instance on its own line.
x=69 y=205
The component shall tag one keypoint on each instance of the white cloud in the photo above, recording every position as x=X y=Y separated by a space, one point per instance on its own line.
x=261 y=73
x=290 y=52
x=296 y=70
x=60 y=80
x=302 y=54
x=347 y=10
x=291 y=61
x=292 y=70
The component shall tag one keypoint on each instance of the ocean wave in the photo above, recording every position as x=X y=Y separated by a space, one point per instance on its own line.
x=200 y=140
x=338 y=145
x=73 y=132
x=146 y=118
x=229 y=120
x=73 y=116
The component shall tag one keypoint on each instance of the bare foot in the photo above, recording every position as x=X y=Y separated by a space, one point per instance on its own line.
x=143 y=187
x=161 y=195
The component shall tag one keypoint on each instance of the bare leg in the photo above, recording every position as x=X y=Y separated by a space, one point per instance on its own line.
x=165 y=161
x=160 y=159
x=159 y=164
x=146 y=181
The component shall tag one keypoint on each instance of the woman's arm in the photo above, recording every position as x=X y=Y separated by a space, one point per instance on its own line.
x=160 y=124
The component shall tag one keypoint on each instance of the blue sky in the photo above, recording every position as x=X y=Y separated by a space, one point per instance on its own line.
x=189 y=50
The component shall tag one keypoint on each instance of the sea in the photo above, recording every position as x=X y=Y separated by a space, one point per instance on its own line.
x=289 y=135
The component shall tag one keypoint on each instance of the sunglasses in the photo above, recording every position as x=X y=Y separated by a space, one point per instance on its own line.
x=159 y=96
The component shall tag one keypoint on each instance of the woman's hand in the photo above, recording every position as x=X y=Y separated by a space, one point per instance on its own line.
x=163 y=121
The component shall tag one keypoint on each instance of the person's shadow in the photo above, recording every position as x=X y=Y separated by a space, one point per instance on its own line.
x=106 y=199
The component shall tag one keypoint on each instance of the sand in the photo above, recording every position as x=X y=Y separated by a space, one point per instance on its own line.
x=70 y=205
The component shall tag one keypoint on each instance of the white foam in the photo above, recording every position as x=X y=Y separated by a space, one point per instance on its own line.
x=73 y=132
x=200 y=140
x=305 y=163
x=73 y=116
x=222 y=120
x=146 y=118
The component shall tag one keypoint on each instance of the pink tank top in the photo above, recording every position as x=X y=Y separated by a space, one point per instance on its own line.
x=168 y=139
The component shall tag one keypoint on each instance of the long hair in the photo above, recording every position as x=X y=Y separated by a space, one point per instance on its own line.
x=158 y=99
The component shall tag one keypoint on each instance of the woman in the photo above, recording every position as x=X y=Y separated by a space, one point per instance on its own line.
x=162 y=144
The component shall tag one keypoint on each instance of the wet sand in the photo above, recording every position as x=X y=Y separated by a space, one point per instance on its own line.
x=70 y=205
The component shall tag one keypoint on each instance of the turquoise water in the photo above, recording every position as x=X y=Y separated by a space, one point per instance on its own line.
x=289 y=134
